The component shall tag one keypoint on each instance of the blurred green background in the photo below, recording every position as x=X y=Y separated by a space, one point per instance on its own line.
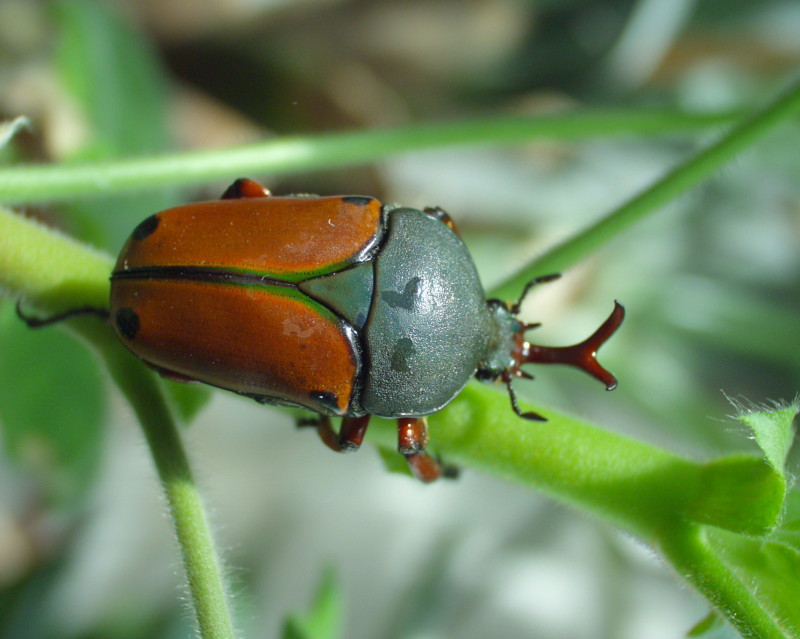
x=710 y=284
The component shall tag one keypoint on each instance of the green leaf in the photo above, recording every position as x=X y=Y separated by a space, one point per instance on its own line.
x=769 y=569
x=710 y=622
x=393 y=461
x=789 y=532
x=116 y=79
x=324 y=620
x=772 y=429
x=187 y=400
x=739 y=493
x=52 y=400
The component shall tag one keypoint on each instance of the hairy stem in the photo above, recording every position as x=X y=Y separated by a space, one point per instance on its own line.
x=53 y=272
x=685 y=176
x=25 y=184
x=203 y=568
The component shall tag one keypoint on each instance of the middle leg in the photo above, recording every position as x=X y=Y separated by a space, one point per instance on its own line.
x=348 y=439
x=412 y=438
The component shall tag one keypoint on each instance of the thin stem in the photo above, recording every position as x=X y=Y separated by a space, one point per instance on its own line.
x=25 y=184
x=201 y=562
x=52 y=272
x=681 y=179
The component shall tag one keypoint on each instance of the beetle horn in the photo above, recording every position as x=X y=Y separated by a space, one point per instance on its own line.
x=582 y=355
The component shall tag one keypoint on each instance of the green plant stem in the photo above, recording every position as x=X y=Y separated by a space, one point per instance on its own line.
x=200 y=560
x=688 y=174
x=44 y=265
x=53 y=272
x=597 y=470
x=26 y=184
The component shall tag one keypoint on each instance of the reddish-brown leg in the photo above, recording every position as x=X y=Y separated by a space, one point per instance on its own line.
x=443 y=216
x=412 y=437
x=37 y=322
x=350 y=435
x=245 y=187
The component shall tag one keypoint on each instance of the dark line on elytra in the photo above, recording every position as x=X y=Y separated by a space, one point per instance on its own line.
x=198 y=274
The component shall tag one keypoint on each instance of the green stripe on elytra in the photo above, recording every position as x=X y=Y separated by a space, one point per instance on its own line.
x=223 y=272
x=282 y=276
x=225 y=277
x=226 y=274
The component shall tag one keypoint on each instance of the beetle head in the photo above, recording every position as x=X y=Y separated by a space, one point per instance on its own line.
x=509 y=349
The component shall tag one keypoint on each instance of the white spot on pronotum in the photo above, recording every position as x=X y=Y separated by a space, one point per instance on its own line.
x=292 y=327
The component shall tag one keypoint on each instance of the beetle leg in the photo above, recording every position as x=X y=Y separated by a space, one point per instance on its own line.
x=245 y=187
x=424 y=467
x=542 y=279
x=350 y=435
x=412 y=437
x=443 y=216
x=41 y=322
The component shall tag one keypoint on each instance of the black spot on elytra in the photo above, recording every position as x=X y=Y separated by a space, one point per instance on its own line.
x=359 y=200
x=407 y=299
x=402 y=351
x=127 y=322
x=146 y=228
x=326 y=399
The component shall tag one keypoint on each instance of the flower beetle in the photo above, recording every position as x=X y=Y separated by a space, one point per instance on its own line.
x=340 y=305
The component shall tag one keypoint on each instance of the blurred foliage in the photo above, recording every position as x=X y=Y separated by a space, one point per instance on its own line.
x=114 y=77
x=324 y=620
x=712 y=287
x=51 y=407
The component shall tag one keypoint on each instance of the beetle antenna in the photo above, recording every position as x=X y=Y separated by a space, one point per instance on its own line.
x=582 y=355
x=41 y=322
x=536 y=417
x=542 y=279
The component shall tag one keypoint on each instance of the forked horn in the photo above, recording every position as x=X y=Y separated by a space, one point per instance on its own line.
x=582 y=355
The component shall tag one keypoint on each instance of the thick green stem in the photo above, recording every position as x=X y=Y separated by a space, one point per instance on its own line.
x=638 y=487
x=24 y=184
x=41 y=264
x=681 y=179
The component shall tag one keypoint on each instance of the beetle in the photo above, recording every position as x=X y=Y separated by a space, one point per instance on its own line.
x=340 y=305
